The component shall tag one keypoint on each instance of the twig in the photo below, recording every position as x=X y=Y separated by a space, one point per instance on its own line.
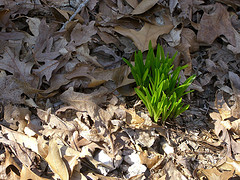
x=76 y=12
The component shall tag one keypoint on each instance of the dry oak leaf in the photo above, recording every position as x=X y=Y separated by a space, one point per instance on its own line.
x=22 y=139
x=215 y=24
x=188 y=44
x=10 y=90
x=148 y=32
x=88 y=102
x=222 y=106
x=82 y=33
x=132 y=3
x=215 y=174
x=222 y=133
x=143 y=6
x=26 y=173
x=9 y=161
x=235 y=49
x=11 y=63
x=46 y=69
x=55 y=160
x=235 y=83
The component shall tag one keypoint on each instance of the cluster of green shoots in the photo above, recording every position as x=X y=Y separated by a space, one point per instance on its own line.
x=158 y=84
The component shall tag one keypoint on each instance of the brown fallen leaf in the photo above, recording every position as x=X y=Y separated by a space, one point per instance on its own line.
x=77 y=175
x=233 y=147
x=231 y=165
x=107 y=36
x=11 y=35
x=172 y=171
x=55 y=160
x=98 y=76
x=34 y=24
x=46 y=69
x=215 y=174
x=235 y=126
x=83 y=55
x=82 y=33
x=107 y=56
x=4 y=18
x=56 y=82
x=132 y=119
x=88 y=102
x=9 y=161
x=235 y=83
x=21 y=70
x=233 y=3
x=187 y=44
x=132 y=3
x=235 y=49
x=143 y=6
x=42 y=51
x=215 y=24
x=150 y=162
x=188 y=7
x=26 y=173
x=148 y=32
x=20 y=138
x=222 y=106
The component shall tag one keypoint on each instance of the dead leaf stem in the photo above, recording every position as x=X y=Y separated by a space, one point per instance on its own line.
x=76 y=12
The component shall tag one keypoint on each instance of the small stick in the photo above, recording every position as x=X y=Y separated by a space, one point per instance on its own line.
x=73 y=16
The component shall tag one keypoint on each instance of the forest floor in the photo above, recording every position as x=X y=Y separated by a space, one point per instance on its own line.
x=68 y=105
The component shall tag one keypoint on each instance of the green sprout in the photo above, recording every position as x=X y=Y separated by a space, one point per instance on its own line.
x=158 y=83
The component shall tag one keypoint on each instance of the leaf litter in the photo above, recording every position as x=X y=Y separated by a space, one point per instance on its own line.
x=68 y=107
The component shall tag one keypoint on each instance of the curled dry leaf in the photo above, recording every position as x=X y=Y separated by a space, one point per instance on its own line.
x=219 y=69
x=26 y=173
x=132 y=3
x=150 y=162
x=83 y=55
x=172 y=171
x=223 y=134
x=20 y=138
x=231 y=165
x=235 y=83
x=173 y=38
x=107 y=54
x=235 y=126
x=55 y=160
x=107 y=36
x=9 y=161
x=52 y=120
x=222 y=106
x=56 y=82
x=34 y=24
x=235 y=49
